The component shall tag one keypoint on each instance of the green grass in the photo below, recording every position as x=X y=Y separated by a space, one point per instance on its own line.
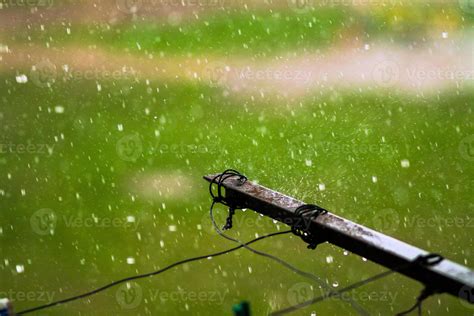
x=262 y=140
x=343 y=140
x=260 y=33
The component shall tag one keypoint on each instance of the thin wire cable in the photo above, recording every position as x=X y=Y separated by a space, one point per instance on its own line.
x=140 y=276
x=302 y=273
x=321 y=298
x=429 y=259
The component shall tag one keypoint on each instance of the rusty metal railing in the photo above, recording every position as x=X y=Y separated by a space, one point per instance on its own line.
x=445 y=276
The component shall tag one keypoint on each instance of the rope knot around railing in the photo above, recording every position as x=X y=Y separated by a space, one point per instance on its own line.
x=220 y=198
x=306 y=213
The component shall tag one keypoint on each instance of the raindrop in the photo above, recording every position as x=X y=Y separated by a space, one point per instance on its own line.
x=59 y=109
x=21 y=79
x=405 y=163
x=20 y=268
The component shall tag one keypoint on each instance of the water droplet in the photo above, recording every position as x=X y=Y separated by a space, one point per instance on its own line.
x=59 y=109
x=374 y=179
x=322 y=187
x=20 y=268
x=120 y=127
x=130 y=260
x=405 y=163
x=21 y=79
x=335 y=284
x=329 y=259
x=4 y=48
x=172 y=228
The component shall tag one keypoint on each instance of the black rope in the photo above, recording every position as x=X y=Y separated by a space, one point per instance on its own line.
x=219 y=198
x=428 y=259
x=306 y=213
x=140 y=276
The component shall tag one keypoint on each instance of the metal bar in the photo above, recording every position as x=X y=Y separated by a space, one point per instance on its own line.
x=446 y=276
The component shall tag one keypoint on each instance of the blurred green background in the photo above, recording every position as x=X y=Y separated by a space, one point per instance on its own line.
x=103 y=153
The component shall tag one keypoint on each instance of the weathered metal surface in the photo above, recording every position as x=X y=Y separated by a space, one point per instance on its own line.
x=447 y=276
